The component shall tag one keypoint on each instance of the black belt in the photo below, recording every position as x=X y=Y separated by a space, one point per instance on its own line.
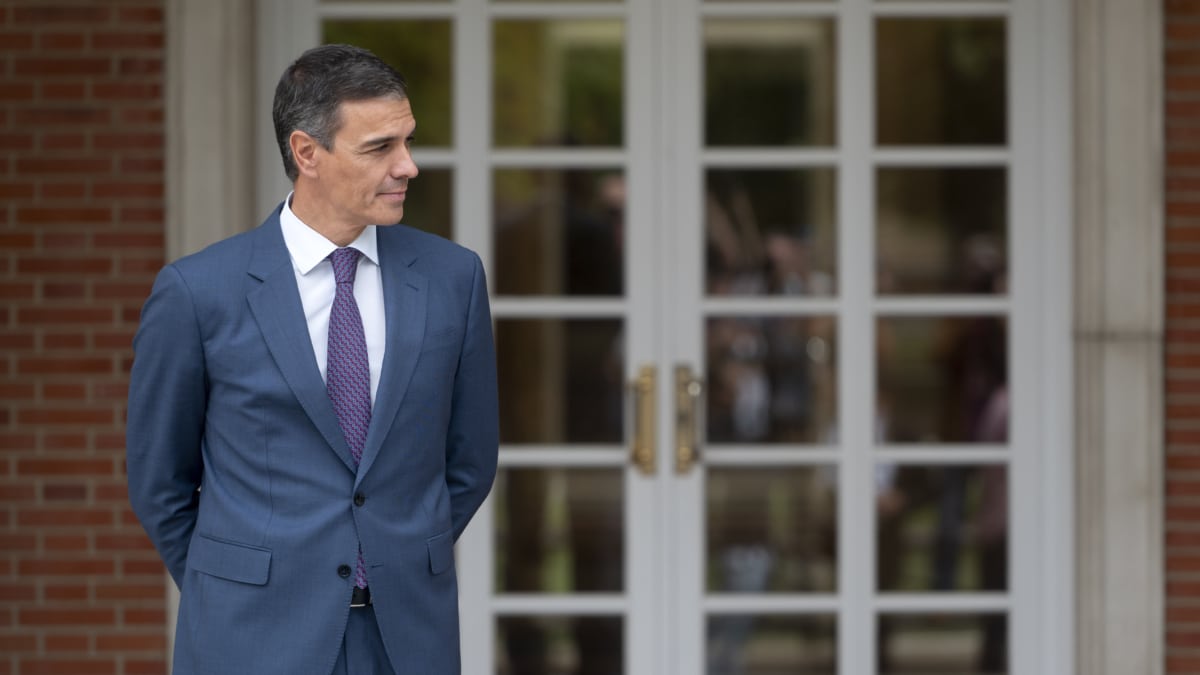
x=361 y=597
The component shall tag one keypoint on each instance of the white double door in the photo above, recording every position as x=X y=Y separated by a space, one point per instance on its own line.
x=765 y=281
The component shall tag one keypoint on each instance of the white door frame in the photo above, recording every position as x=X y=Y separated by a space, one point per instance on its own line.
x=1120 y=146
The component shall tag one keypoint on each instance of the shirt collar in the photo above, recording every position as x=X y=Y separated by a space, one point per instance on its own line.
x=308 y=247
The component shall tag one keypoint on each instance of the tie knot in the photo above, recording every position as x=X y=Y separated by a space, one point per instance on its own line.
x=345 y=264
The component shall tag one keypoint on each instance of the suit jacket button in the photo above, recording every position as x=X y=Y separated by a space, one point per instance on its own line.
x=344 y=571
x=359 y=499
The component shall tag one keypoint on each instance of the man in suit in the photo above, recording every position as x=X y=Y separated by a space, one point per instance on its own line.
x=312 y=408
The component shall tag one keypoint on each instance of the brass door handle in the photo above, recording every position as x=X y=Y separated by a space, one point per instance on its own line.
x=644 y=414
x=688 y=388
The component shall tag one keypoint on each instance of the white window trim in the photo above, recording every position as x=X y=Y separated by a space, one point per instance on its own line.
x=1118 y=245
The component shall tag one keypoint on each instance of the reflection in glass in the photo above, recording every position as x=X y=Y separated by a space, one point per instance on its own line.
x=560 y=645
x=771 y=380
x=942 y=528
x=772 y=529
x=559 y=530
x=559 y=231
x=558 y=82
x=942 y=230
x=745 y=644
x=420 y=49
x=941 y=81
x=963 y=644
x=430 y=202
x=560 y=380
x=942 y=379
x=771 y=232
x=769 y=81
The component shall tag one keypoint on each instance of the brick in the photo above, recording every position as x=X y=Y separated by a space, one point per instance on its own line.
x=17 y=291
x=64 y=341
x=64 y=41
x=74 y=216
x=37 y=265
x=141 y=115
x=76 y=517
x=65 y=441
x=123 y=542
x=126 y=141
x=64 y=141
x=63 y=91
x=12 y=42
x=60 y=14
x=145 y=667
x=59 y=645
x=127 y=91
x=18 y=541
x=41 y=366
x=18 y=643
x=61 y=192
x=40 y=316
x=64 y=493
x=82 y=166
x=112 y=493
x=55 y=666
x=64 y=467
x=143 y=568
x=155 y=641
x=66 y=617
x=127 y=40
x=65 y=592
x=51 y=67
x=16 y=91
x=19 y=440
x=75 y=416
x=12 y=141
x=149 y=190
x=147 y=15
x=52 y=543
x=136 y=616
x=152 y=165
x=139 y=66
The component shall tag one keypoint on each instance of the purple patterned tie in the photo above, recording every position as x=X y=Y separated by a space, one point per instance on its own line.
x=347 y=373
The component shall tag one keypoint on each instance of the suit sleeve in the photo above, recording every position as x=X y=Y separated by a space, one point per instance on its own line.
x=165 y=425
x=473 y=439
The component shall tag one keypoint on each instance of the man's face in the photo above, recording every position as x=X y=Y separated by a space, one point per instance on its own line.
x=363 y=178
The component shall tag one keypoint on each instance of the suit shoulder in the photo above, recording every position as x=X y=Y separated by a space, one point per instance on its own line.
x=431 y=249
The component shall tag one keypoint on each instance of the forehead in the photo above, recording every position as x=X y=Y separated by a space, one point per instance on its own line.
x=388 y=116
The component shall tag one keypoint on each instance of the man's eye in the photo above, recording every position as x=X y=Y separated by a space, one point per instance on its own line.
x=380 y=149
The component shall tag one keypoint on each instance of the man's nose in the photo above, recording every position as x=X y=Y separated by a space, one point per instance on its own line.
x=404 y=166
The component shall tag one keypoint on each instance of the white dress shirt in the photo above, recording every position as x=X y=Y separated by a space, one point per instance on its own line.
x=314 y=276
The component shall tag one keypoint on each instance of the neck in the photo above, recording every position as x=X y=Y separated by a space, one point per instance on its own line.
x=315 y=214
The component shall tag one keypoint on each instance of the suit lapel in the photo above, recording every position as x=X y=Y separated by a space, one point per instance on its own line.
x=276 y=306
x=404 y=301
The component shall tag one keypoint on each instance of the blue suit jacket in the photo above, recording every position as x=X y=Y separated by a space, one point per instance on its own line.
x=242 y=478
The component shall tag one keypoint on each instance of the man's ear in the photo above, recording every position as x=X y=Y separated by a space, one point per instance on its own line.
x=304 y=152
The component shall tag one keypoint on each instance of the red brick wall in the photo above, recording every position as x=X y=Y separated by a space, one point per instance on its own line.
x=81 y=236
x=1182 y=125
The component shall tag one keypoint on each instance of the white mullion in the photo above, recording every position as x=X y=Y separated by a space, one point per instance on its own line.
x=472 y=228
x=1054 y=474
x=926 y=603
x=754 y=158
x=532 y=604
x=951 y=455
x=381 y=10
x=757 y=10
x=600 y=158
x=646 y=622
x=940 y=9
x=436 y=158
x=942 y=157
x=856 y=330
x=597 y=456
x=509 y=307
x=681 y=214
x=757 y=455
x=963 y=305
x=1025 y=564
x=581 y=10
x=774 y=603
x=769 y=306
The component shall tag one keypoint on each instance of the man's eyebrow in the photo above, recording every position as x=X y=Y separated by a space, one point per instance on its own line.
x=370 y=142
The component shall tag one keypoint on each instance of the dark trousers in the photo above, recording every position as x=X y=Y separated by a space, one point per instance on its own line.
x=362 y=647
